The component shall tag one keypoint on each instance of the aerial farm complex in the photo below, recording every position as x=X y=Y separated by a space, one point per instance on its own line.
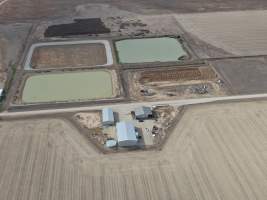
x=119 y=100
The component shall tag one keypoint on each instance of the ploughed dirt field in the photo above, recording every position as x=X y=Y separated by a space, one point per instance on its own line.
x=69 y=56
x=251 y=73
x=216 y=152
x=34 y=9
x=173 y=83
x=247 y=35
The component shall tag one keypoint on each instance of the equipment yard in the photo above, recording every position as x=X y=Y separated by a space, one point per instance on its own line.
x=216 y=151
x=180 y=82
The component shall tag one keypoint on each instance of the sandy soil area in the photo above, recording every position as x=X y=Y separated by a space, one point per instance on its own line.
x=216 y=152
x=69 y=56
x=88 y=120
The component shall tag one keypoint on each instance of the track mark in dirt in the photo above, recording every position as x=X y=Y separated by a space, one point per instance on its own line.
x=3 y=2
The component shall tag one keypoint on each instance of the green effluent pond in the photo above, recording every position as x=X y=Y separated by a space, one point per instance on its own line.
x=71 y=86
x=164 y=49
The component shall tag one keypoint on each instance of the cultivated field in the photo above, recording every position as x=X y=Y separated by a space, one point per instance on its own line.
x=216 y=152
x=69 y=56
x=243 y=76
x=34 y=9
x=240 y=33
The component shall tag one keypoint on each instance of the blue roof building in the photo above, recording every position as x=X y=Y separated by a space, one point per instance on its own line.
x=107 y=117
x=126 y=134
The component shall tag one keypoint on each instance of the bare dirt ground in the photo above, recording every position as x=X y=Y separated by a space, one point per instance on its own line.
x=173 y=83
x=216 y=152
x=69 y=56
x=117 y=88
x=12 y=37
x=88 y=120
x=247 y=35
x=33 y=9
x=180 y=74
x=244 y=76
x=120 y=22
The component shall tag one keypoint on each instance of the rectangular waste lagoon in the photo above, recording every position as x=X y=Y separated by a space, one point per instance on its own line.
x=76 y=55
x=69 y=54
x=70 y=86
x=164 y=49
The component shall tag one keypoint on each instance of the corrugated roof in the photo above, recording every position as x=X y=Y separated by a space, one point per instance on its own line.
x=107 y=115
x=125 y=131
x=143 y=110
x=111 y=143
x=1 y=91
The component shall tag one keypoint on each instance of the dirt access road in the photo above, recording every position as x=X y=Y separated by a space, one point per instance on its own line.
x=35 y=9
x=125 y=107
x=216 y=152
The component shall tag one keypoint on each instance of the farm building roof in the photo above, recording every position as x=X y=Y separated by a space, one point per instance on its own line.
x=111 y=143
x=107 y=115
x=143 y=110
x=125 y=132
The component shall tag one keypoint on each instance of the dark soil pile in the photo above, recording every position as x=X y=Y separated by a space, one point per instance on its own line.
x=78 y=27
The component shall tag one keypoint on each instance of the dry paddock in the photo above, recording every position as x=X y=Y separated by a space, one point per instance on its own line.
x=216 y=152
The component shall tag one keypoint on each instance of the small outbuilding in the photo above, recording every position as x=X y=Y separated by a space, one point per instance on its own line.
x=111 y=143
x=143 y=112
x=107 y=117
x=126 y=134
